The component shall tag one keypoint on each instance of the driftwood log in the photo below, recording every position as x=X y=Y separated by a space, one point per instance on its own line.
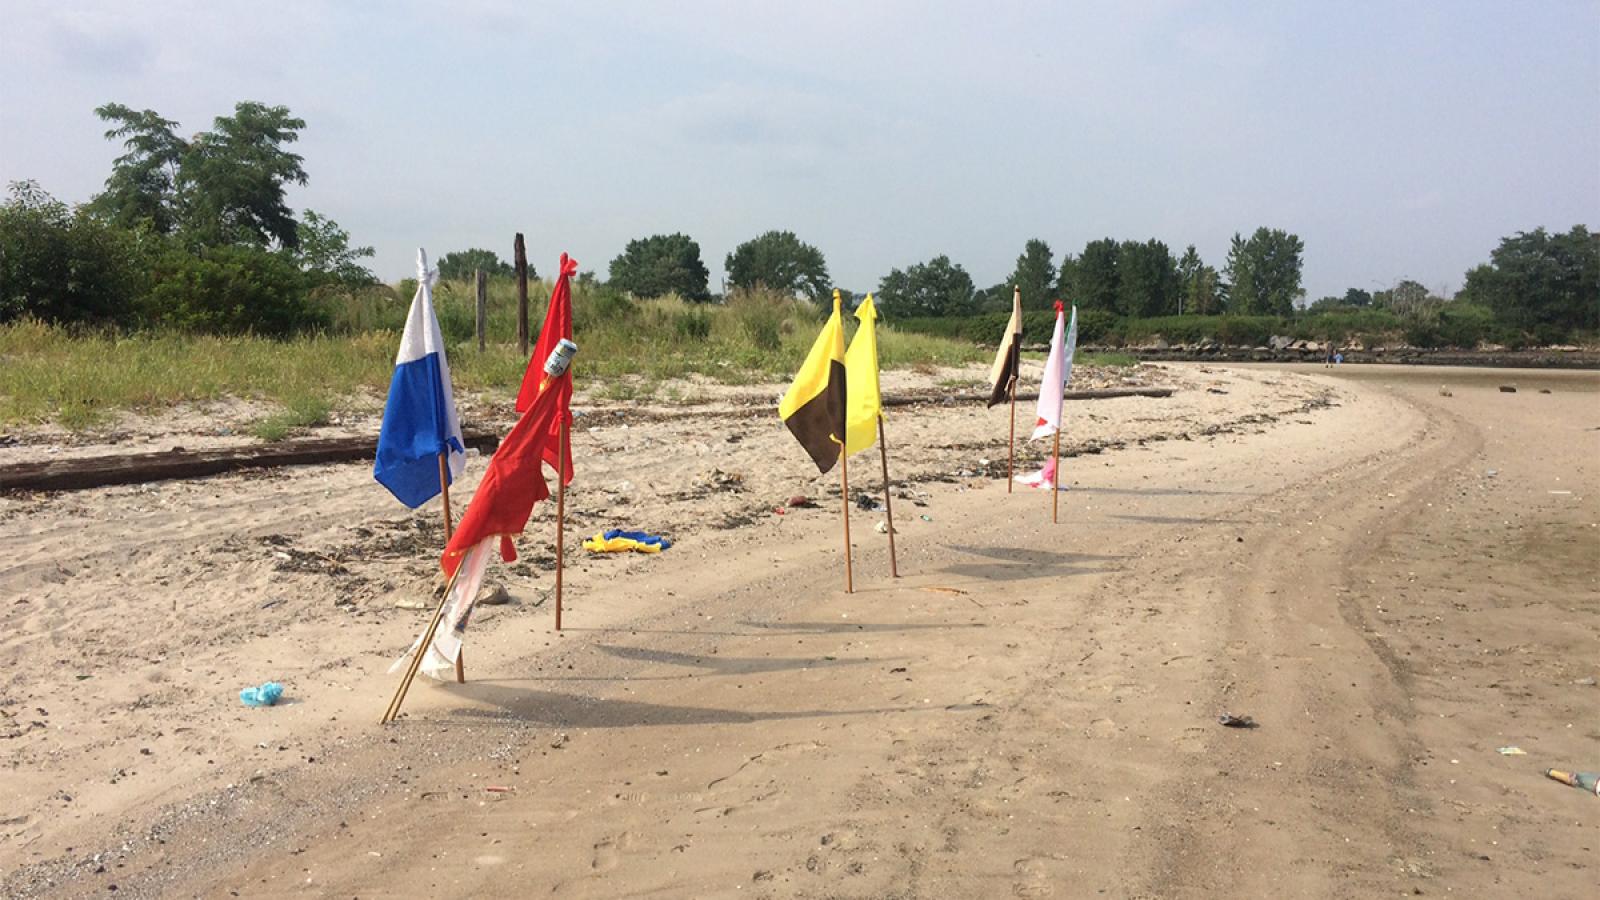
x=76 y=474
x=137 y=468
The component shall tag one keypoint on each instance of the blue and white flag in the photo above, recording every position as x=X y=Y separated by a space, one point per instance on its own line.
x=419 y=420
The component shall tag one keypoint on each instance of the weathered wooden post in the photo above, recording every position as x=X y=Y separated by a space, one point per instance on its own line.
x=482 y=279
x=521 y=251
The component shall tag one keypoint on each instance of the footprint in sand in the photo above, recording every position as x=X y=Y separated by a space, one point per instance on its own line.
x=609 y=852
x=1193 y=740
x=1101 y=728
x=1033 y=876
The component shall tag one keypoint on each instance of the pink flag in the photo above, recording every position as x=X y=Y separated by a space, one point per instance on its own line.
x=1057 y=371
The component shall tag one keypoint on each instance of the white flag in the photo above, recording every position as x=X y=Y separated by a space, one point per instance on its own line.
x=1057 y=372
x=440 y=661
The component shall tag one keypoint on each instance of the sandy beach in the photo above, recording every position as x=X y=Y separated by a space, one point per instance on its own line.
x=1395 y=572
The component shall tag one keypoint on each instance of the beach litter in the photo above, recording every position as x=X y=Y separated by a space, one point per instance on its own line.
x=1232 y=721
x=1511 y=751
x=618 y=541
x=267 y=694
x=1583 y=781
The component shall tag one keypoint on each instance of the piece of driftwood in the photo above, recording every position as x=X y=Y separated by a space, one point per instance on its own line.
x=1101 y=394
x=138 y=468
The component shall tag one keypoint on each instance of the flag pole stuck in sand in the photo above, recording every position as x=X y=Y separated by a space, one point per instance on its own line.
x=888 y=504
x=1011 y=442
x=844 y=482
x=1003 y=376
x=422 y=648
x=561 y=519
x=864 y=406
x=554 y=333
x=1052 y=391
x=499 y=510
x=813 y=409
x=420 y=448
x=444 y=494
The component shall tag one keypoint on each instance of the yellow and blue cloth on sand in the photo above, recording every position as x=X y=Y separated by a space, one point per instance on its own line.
x=618 y=541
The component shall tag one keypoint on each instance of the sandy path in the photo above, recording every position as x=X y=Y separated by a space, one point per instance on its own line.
x=1031 y=710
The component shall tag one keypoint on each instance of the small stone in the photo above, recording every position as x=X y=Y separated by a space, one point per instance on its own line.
x=496 y=595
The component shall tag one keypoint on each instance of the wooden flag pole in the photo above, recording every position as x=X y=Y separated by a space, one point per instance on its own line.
x=422 y=648
x=888 y=504
x=561 y=511
x=449 y=528
x=844 y=481
x=1011 y=445
x=1055 y=479
x=444 y=492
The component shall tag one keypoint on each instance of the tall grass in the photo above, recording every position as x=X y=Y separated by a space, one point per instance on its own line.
x=50 y=373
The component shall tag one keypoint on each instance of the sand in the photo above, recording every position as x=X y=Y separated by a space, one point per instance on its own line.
x=1030 y=710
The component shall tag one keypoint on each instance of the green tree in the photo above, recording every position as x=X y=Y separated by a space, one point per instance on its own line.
x=235 y=176
x=1035 y=274
x=1095 y=276
x=224 y=186
x=1189 y=266
x=937 y=287
x=1407 y=298
x=1067 y=279
x=325 y=255
x=1147 y=282
x=143 y=187
x=1204 y=295
x=64 y=265
x=1357 y=298
x=782 y=262
x=459 y=265
x=1264 y=273
x=662 y=264
x=1548 y=284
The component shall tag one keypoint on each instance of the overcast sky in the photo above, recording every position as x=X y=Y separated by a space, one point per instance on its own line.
x=1399 y=140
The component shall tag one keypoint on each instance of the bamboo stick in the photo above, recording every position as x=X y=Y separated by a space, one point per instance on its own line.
x=444 y=492
x=1011 y=445
x=844 y=481
x=449 y=528
x=1055 y=479
x=888 y=504
x=422 y=648
x=561 y=511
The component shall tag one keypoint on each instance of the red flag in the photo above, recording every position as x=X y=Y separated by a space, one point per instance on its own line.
x=557 y=325
x=514 y=481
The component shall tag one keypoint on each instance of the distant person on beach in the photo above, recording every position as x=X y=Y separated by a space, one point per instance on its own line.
x=1338 y=359
x=1327 y=362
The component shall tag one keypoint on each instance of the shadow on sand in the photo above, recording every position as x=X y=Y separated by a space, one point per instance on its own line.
x=510 y=699
x=1023 y=563
x=723 y=665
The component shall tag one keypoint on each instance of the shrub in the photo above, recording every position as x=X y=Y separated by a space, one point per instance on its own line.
x=57 y=265
x=229 y=290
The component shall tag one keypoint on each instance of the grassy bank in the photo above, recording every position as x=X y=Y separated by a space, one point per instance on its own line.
x=49 y=373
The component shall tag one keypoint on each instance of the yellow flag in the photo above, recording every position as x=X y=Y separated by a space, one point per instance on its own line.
x=814 y=405
x=865 y=402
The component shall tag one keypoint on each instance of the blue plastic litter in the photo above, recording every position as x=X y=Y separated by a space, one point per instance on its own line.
x=639 y=536
x=265 y=695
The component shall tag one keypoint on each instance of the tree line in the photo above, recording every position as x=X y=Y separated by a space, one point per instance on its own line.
x=196 y=233
x=192 y=233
